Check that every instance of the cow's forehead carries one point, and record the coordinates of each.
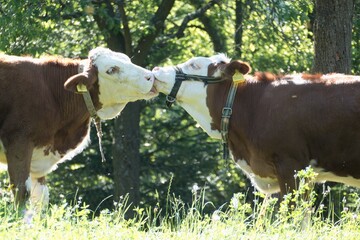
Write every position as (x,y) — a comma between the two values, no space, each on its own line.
(104,54)
(208,60)
(220,58)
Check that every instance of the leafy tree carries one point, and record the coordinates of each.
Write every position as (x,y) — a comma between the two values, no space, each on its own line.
(36,28)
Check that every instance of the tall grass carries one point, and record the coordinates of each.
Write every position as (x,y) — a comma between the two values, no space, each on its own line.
(294,218)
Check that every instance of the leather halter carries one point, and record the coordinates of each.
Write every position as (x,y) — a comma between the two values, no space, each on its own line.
(226,112)
(238,78)
(82,89)
(180,77)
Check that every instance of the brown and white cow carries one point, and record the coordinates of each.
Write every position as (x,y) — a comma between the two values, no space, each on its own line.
(44,122)
(277,126)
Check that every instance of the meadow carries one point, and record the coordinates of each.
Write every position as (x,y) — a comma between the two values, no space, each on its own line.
(237,220)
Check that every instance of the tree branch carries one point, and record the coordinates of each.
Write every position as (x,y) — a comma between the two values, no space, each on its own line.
(239,18)
(197,14)
(1,10)
(147,40)
(59,8)
(125,23)
(113,37)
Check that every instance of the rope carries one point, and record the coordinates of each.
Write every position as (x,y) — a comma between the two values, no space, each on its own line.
(91,108)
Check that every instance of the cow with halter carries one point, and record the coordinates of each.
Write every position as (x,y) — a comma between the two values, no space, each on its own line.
(273,126)
(46,105)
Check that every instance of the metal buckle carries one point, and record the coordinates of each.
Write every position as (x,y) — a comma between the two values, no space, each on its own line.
(225,109)
(170,99)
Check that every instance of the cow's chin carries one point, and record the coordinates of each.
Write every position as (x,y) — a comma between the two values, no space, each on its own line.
(110,112)
(152,93)
(162,86)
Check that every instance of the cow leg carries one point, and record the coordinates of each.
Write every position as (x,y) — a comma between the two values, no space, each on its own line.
(289,182)
(285,169)
(18,155)
(286,182)
(39,195)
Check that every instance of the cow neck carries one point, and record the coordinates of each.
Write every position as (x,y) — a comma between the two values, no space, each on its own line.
(224,112)
(82,89)
(91,108)
(70,107)
(238,78)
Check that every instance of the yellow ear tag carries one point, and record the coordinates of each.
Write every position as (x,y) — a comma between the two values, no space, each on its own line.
(238,77)
(81,88)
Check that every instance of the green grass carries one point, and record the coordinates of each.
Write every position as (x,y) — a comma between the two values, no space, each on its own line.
(238,220)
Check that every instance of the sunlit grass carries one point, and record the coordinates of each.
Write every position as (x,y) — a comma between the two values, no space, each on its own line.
(237,220)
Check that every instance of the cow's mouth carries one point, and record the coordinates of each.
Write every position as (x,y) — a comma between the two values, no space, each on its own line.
(153,89)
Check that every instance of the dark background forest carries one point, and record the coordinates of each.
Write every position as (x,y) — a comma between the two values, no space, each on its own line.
(153,152)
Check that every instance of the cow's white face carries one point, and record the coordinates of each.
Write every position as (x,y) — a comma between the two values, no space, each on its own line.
(120,81)
(192,94)
(165,76)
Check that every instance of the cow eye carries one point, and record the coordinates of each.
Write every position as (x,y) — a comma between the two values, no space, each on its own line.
(194,66)
(113,70)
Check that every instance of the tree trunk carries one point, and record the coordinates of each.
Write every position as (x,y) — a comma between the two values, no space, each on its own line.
(126,145)
(126,155)
(332,35)
(126,142)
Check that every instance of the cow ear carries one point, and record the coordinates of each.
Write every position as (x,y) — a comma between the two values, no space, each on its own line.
(242,67)
(77,82)
(73,82)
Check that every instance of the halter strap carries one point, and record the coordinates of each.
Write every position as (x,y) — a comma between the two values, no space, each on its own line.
(180,76)
(91,108)
(225,119)
(238,78)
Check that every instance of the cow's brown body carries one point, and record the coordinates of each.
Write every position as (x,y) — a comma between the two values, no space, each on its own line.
(35,106)
(281,127)
(37,113)
(278,125)
(42,120)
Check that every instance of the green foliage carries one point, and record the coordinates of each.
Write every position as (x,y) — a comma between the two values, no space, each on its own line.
(36,28)
(276,36)
(18,28)
(171,47)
